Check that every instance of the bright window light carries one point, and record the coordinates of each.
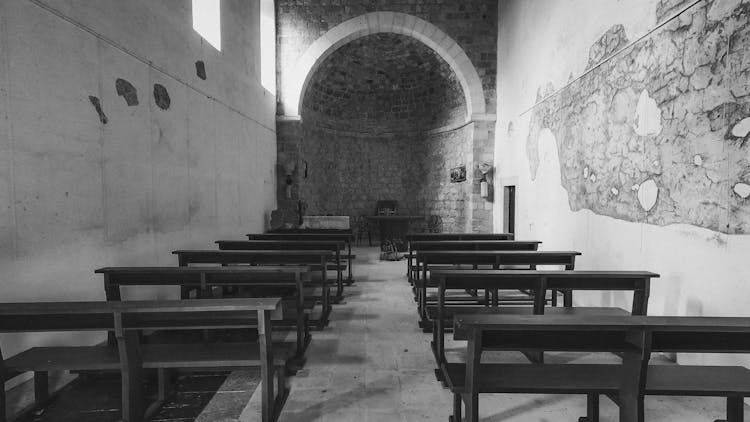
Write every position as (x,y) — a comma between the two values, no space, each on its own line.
(268,46)
(207,21)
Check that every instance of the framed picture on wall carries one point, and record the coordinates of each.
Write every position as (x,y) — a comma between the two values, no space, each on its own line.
(458,174)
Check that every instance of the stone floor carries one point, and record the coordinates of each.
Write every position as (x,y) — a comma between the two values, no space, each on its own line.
(374,364)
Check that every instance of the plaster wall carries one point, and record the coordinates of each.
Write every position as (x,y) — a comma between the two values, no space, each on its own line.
(78,193)
(688,231)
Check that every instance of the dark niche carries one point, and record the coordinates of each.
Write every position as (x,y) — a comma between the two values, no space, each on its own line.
(97,105)
(161,96)
(200,69)
(126,90)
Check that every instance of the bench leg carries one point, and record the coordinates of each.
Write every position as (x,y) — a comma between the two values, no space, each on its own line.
(3,406)
(164,381)
(41,386)
(133,408)
(592,409)
(472,407)
(735,409)
(456,409)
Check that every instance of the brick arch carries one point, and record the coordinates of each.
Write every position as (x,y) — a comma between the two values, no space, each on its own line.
(399,23)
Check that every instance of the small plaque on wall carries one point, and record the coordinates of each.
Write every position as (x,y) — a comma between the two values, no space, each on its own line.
(458,174)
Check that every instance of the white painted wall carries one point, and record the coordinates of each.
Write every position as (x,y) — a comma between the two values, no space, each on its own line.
(76,194)
(702,272)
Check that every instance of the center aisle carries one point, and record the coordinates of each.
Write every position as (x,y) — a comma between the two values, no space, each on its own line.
(372,363)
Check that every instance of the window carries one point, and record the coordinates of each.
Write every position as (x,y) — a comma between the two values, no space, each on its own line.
(268,46)
(207,21)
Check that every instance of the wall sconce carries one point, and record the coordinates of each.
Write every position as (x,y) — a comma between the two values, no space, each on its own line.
(484,184)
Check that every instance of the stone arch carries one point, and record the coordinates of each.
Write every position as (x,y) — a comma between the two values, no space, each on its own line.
(399,23)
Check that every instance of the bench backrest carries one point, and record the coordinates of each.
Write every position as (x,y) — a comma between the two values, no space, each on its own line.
(187,257)
(475,245)
(417,237)
(131,315)
(498,258)
(540,281)
(201,277)
(560,333)
(325,236)
(249,245)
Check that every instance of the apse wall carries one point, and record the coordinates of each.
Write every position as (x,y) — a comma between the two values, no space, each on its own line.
(384,115)
(114,151)
(641,161)
(366,119)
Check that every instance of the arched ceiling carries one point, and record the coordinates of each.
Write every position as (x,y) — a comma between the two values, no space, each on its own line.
(384,82)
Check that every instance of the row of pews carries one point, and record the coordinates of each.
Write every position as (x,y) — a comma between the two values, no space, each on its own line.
(486,290)
(265,284)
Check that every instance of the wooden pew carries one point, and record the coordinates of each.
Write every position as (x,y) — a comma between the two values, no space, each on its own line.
(272,257)
(203,279)
(437,237)
(495,259)
(639,282)
(634,337)
(463,245)
(314,235)
(303,245)
(131,357)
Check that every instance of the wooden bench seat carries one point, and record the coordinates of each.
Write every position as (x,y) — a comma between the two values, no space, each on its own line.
(276,257)
(537,282)
(130,356)
(336,246)
(537,379)
(207,355)
(626,383)
(81,358)
(528,259)
(289,282)
(346,236)
(414,265)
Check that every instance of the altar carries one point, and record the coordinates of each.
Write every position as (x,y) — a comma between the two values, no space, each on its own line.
(394,227)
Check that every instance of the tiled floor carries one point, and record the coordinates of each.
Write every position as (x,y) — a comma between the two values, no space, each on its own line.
(374,364)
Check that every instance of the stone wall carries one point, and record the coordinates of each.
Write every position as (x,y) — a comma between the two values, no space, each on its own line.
(97,170)
(392,96)
(439,196)
(384,83)
(471,23)
(347,175)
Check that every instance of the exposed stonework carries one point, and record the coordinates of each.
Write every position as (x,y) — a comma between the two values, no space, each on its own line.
(384,83)
(384,115)
(690,149)
(609,43)
(452,201)
(471,23)
(695,71)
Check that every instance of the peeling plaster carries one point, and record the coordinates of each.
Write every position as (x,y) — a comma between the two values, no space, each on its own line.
(648,192)
(648,116)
